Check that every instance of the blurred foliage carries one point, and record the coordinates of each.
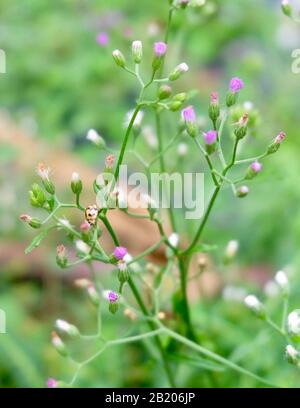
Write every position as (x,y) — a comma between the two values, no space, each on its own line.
(60,83)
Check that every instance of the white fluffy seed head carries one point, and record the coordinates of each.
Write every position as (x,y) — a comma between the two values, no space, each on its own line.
(174,239)
(75,177)
(231,249)
(293,322)
(81,246)
(282,280)
(253,303)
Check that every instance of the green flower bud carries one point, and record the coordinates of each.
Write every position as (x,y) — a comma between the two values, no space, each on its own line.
(76,183)
(137,51)
(286,8)
(119,58)
(181,97)
(123,274)
(61,258)
(113,307)
(67,328)
(178,71)
(58,344)
(37,196)
(164,92)
(231,98)
(175,106)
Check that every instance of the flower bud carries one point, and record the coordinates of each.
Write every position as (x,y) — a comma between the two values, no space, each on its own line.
(164,92)
(95,138)
(255,306)
(286,8)
(243,191)
(292,355)
(112,297)
(61,258)
(160,49)
(65,327)
(253,170)
(174,106)
(183,3)
(274,146)
(76,183)
(93,294)
(214,107)
(33,222)
(178,71)
(181,97)
(231,250)
(119,58)
(85,227)
(137,51)
(37,196)
(189,117)
(123,274)
(210,139)
(293,325)
(282,281)
(242,126)
(109,162)
(58,344)
(44,173)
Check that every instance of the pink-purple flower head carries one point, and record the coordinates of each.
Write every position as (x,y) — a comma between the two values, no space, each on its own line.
(236,84)
(189,114)
(102,39)
(52,383)
(210,137)
(280,137)
(160,49)
(120,252)
(256,167)
(112,296)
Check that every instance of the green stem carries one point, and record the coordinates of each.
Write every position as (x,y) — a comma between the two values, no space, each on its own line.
(153,327)
(163,167)
(214,356)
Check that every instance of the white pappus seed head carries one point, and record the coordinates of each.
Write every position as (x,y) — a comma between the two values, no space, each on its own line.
(252,302)
(282,280)
(174,239)
(293,322)
(231,249)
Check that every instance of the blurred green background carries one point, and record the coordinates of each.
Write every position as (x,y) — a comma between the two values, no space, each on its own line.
(59,83)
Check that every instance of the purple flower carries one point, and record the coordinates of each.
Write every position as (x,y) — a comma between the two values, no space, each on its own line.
(189,115)
(210,137)
(256,167)
(236,84)
(120,252)
(51,383)
(160,48)
(112,296)
(280,137)
(102,39)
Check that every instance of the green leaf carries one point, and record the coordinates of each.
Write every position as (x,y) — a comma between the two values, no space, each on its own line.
(37,240)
